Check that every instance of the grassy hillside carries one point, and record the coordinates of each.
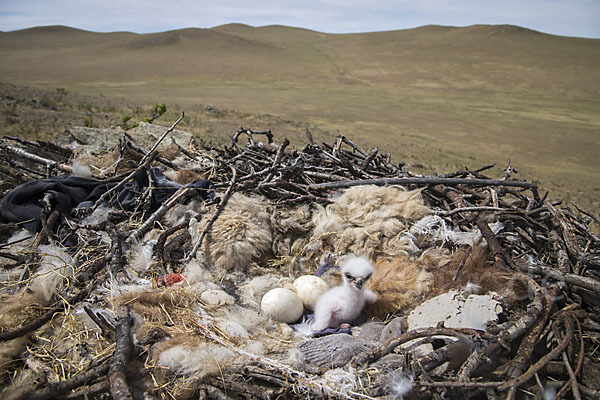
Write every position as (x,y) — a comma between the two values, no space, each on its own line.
(440,96)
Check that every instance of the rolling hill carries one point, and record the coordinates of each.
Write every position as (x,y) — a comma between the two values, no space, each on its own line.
(447,97)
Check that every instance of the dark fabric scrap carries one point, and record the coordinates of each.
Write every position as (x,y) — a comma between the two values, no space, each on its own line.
(326,266)
(310,317)
(69,192)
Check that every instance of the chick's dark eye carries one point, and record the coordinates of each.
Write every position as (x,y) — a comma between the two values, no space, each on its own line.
(367,277)
(348,276)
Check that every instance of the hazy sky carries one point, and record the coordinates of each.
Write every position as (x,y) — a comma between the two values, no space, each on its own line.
(561,17)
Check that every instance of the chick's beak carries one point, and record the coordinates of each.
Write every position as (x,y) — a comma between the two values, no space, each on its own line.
(358,283)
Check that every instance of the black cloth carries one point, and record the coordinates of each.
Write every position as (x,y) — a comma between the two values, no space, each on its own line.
(69,192)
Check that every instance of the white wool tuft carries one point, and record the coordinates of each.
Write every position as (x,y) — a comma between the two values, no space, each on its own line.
(196,272)
(140,255)
(471,287)
(304,327)
(255,347)
(399,385)
(253,291)
(21,237)
(434,228)
(99,215)
(216,297)
(233,329)
(200,360)
(549,393)
(81,170)
(343,381)
(55,266)
(17,243)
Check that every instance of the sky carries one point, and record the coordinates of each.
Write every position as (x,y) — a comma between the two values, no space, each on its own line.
(579,18)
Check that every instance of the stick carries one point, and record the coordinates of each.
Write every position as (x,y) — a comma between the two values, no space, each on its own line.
(40,160)
(572,279)
(157,215)
(159,159)
(493,243)
(133,173)
(387,348)
(53,390)
(161,138)
(572,377)
(123,351)
(468,209)
(421,181)
(542,361)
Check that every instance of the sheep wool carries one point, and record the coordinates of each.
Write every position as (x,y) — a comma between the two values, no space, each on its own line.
(367,221)
(240,235)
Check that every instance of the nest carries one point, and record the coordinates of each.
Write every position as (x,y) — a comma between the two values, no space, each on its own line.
(159,297)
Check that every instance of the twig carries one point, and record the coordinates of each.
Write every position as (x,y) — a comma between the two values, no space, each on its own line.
(157,215)
(54,390)
(123,351)
(107,330)
(492,242)
(572,377)
(464,385)
(420,181)
(544,360)
(130,176)
(387,348)
(571,279)
(49,164)
(159,248)
(161,138)
(161,160)
(579,363)
(467,209)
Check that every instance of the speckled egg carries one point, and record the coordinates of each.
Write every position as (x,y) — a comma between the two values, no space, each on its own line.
(282,305)
(309,288)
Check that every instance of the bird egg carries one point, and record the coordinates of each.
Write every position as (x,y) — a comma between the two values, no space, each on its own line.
(282,305)
(309,288)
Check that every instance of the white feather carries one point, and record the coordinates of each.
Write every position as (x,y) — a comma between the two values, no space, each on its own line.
(399,385)
(201,359)
(55,266)
(81,170)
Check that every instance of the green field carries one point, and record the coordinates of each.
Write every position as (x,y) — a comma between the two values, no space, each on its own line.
(442,97)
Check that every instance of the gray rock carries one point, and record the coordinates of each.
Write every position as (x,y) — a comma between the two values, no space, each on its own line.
(371,331)
(333,351)
(392,329)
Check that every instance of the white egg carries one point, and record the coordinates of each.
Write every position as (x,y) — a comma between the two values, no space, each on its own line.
(309,288)
(282,305)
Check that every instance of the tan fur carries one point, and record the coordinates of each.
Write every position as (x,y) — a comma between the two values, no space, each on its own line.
(367,221)
(403,282)
(240,235)
(399,284)
(476,269)
(291,226)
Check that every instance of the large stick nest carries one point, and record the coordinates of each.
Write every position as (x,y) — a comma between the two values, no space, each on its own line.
(137,301)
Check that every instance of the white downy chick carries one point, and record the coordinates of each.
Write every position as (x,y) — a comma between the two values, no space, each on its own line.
(343,303)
